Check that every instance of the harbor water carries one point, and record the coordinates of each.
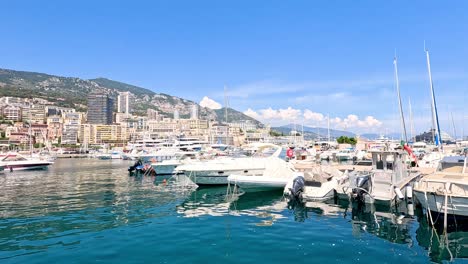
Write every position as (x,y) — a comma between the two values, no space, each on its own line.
(91,211)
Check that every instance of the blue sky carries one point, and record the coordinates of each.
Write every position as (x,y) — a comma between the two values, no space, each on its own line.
(280,60)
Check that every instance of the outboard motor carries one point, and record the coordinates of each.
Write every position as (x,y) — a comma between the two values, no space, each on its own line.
(297,187)
(363,186)
(138,163)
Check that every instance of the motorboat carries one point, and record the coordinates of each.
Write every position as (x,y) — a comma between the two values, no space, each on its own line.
(430,160)
(317,184)
(386,182)
(445,192)
(168,167)
(276,175)
(216,171)
(15,161)
(345,154)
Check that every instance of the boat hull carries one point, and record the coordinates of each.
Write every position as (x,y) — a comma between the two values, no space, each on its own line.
(16,167)
(165,169)
(217,177)
(456,205)
(257,183)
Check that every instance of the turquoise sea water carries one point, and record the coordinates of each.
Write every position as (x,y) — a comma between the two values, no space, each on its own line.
(91,211)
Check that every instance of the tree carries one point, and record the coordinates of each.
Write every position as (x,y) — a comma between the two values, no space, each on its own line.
(346,140)
(274,133)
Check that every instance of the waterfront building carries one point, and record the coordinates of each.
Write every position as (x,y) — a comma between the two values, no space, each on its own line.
(8,100)
(244,125)
(165,128)
(56,110)
(170,127)
(34,113)
(100,134)
(70,134)
(124,102)
(54,128)
(19,138)
(11,129)
(100,108)
(39,133)
(12,113)
(122,118)
(153,114)
(219,133)
(194,112)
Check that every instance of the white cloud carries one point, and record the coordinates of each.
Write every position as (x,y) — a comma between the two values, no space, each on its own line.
(309,115)
(289,113)
(353,121)
(210,103)
(284,116)
(252,114)
(269,114)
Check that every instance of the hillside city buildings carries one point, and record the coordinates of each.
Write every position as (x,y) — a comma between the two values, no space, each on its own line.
(40,121)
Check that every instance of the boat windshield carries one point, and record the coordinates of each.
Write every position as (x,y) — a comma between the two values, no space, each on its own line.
(13,158)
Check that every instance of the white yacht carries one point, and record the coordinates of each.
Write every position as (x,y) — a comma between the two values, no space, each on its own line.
(276,175)
(15,161)
(446,190)
(168,167)
(216,171)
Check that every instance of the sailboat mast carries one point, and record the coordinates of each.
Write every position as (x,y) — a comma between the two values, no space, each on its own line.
(435,118)
(30,130)
(411,122)
(225,104)
(402,117)
(453,127)
(328,127)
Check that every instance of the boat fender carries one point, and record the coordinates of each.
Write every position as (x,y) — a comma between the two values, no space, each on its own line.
(410,208)
(399,193)
(409,194)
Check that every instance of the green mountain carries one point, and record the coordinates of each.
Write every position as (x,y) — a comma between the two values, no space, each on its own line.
(73,92)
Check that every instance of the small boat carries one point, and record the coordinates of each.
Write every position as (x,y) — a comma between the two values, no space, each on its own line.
(385,183)
(345,154)
(15,161)
(318,184)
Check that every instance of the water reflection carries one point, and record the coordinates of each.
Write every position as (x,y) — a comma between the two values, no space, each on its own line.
(443,246)
(45,208)
(389,223)
(214,201)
